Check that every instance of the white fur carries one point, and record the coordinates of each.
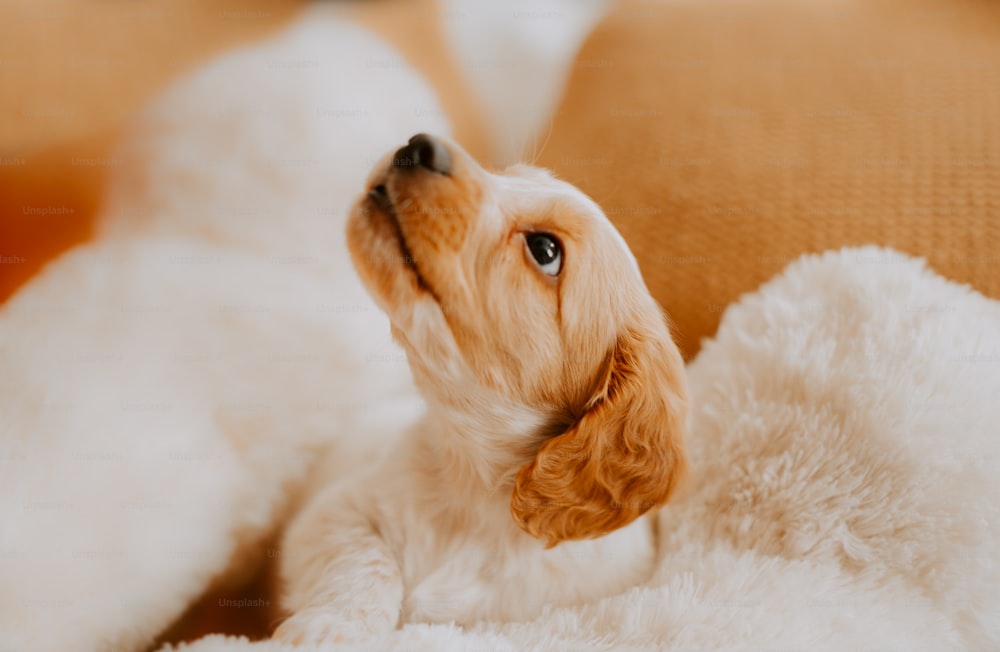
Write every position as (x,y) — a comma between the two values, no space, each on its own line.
(414,539)
(168,387)
(844,490)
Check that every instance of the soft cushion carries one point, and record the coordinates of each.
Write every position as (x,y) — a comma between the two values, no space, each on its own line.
(727,137)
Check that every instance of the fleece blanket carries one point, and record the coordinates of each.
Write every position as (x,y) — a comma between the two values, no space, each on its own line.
(167,390)
(845,491)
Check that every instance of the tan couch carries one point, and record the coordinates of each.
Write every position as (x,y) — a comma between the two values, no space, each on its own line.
(728,137)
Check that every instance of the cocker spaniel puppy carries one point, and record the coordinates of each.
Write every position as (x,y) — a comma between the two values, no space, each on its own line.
(556,402)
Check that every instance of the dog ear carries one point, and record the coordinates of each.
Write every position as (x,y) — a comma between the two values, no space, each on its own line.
(622,458)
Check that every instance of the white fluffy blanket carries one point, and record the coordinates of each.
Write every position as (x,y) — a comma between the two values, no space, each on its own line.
(844,445)
(845,492)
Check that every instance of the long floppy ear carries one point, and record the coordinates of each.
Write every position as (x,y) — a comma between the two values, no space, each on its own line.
(622,458)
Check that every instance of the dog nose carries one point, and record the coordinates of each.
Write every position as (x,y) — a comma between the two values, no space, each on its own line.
(424,151)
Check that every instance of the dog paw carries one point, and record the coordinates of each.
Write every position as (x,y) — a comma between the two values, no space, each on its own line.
(318,627)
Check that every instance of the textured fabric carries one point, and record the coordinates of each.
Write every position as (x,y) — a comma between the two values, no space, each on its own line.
(725,138)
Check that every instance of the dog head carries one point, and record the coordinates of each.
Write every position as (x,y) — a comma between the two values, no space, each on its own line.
(514,289)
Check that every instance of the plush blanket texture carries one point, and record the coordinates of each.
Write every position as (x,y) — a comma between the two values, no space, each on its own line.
(844,492)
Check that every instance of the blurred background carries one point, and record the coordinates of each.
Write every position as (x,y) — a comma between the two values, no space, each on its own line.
(724,137)
(73,73)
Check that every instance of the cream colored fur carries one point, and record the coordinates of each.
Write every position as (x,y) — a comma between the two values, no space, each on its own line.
(844,481)
(430,532)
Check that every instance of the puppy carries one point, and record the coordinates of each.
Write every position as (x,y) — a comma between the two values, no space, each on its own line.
(556,402)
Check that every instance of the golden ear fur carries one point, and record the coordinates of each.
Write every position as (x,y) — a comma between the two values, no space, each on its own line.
(622,458)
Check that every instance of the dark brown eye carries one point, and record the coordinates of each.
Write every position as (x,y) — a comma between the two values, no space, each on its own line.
(546,251)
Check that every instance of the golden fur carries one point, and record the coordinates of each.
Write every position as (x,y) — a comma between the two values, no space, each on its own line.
(589,348)
(556,406)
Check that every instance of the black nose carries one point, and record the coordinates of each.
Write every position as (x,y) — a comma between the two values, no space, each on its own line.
(424,151)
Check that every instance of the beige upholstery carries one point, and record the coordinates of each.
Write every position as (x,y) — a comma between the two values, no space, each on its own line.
(727,137)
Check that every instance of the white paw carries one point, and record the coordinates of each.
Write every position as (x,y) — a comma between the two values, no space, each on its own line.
(320,627)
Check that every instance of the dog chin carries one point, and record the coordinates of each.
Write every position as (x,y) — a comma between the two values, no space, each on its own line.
(380,256)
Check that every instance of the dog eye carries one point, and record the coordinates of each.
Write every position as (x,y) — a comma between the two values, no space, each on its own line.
(546,252)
